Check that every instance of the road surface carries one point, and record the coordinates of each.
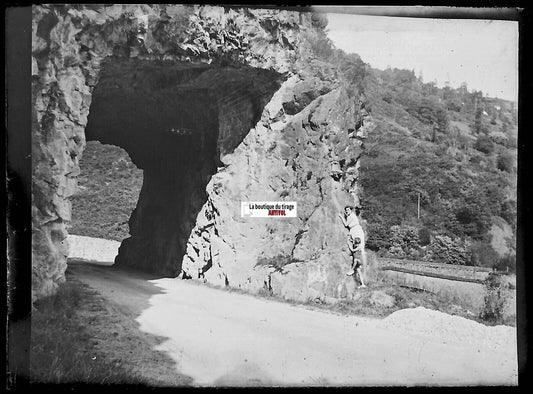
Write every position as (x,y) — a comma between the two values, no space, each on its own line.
(222,338)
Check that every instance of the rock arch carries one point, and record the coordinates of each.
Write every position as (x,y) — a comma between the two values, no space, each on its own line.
(175,120)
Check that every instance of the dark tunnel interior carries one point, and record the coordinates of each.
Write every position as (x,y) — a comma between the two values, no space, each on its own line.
(175,120)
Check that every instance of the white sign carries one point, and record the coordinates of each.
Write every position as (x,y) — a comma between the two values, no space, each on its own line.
(268,209)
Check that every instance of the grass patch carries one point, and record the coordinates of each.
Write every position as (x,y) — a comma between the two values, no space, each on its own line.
(62,350)
(404,297)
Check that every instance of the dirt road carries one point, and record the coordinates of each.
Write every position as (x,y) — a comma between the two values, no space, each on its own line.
(220,338)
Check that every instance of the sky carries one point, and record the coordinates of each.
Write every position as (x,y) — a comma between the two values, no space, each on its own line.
(482,53)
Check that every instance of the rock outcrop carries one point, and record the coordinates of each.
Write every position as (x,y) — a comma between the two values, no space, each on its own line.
(286,156)
(217,106)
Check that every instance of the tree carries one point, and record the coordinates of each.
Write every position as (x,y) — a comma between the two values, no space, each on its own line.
(463,89)
(454,104)
(478,120)
(430,89)
(404,78)
(447,92)
(505,162)
(505,127)
(431,113)
(508,211)
(471,221)
(320,45)
(352,68)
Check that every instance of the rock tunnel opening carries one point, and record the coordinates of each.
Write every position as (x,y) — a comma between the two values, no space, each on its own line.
(176,121)
(109,184)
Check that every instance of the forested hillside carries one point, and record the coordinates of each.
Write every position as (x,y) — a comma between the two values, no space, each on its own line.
(454,150)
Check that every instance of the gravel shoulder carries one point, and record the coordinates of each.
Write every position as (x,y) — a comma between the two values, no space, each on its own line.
(220,338)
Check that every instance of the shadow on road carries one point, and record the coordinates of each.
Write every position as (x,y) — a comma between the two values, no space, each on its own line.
(113,321)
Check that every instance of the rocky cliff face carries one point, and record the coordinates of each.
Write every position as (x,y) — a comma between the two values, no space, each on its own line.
(217,106)
(286,156)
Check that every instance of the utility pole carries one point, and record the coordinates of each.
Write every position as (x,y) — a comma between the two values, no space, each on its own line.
(418,216)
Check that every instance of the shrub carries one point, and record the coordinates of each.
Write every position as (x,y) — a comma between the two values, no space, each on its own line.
(378,237)
(484,144)
(499,138)
(450,251)
(278,261)
(512,142)
(483,255)
(319,20)
(464,215)
(396,251)
(506,263)
(387,97)
(424,236)
(321,45)
(494,300)
(404,240)
(477,159)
